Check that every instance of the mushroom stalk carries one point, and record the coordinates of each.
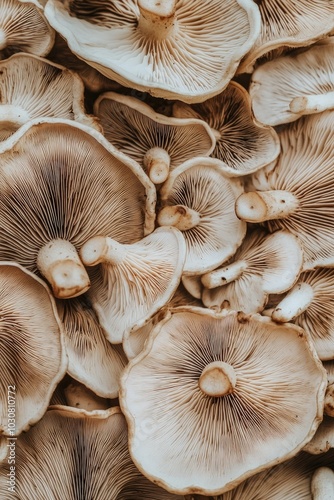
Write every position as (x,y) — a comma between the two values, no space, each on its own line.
(102,249)
(329,401)
(156,18)
(217,379)
(260,206)
(224,275)
(309,104)
(59,262)
(297,301)
(157,163)
(322,484)
(13,116)
(179,216)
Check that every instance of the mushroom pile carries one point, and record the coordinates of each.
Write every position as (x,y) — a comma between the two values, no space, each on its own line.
(167,249)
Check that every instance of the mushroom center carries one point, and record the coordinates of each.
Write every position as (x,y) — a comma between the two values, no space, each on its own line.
(179,216)
(217,379)
(157,17)
(157,161)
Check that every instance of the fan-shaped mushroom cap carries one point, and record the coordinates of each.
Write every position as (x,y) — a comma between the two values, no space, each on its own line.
(262,265)
(87,459)
(171,49)
(23,28)
(295,195)
(241,142)
(199,200)
(32,354)
(56,174)
(260,403)
(286,88)
(92,360)
(159,143)
(310,305)
(32,87)
(289,23)
(133,281)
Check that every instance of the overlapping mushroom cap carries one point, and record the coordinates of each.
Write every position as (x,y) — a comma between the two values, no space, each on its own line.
(173,49)
(72,454)
(296,195)
(226,396)
(54,178)
(23,28)
(157,142)
(32,354)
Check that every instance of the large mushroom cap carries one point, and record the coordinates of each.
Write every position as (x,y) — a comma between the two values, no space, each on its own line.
(54,177)
(32,354)
(173,49)
(227,396)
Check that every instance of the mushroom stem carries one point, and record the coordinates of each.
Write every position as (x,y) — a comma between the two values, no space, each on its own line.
(102,249)
(329,401)
(179,216)
(297,301)
(157,162)
(259,206)
(309,104)
(217,379)
(59,262)
(224,275)
(322,484)
(13,116)
(156,18)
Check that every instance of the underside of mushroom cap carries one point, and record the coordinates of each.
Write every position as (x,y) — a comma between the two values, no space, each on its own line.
(143,47)
(206,444)
(76,454)
(23,28)
(241,143)
(276,84)
(32,353)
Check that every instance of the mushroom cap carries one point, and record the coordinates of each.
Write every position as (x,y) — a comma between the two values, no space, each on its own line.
(276,83)
(56,174)
(23,28)
(92,360)
(75,454)
(290,24)
(115,39)
(270,264)
(33,358)
(203,444)
(201,185)
(33,87)
(134,128)
(242,143)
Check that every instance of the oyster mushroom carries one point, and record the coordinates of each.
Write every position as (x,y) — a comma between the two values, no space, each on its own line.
(32,353)
(55,175)
(199,199)
(170,49)
(227,395)
(241,142)
(159,143)
(296,194)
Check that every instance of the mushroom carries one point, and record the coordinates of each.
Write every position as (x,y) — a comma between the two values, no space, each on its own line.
(133,281)
(199,199)
(262,265)
(92,360)
(287,23)
(32,353)
(74,454)
(322,484)
(323,439)
(23,28)
(241,142)
(32,87)
(295,195)
(286,88)
(159,143)
(310,305)
(170,49)
(53,177)
(228,396)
